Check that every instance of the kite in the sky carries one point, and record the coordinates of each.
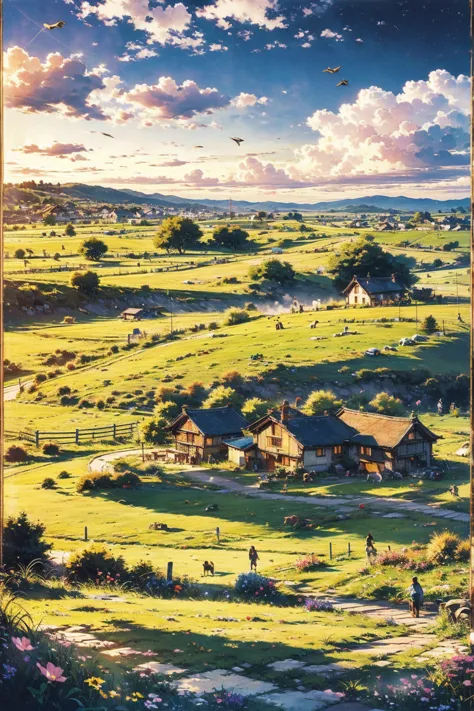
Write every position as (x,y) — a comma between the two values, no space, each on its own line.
(57,25)
(237,140)
(344,82)
(103,134)
(331,70)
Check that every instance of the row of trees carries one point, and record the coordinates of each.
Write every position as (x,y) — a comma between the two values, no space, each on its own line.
(181,233)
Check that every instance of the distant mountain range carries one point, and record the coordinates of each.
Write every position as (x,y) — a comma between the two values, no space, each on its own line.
(368,203)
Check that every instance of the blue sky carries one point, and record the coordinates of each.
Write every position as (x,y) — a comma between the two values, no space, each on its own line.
(166,77)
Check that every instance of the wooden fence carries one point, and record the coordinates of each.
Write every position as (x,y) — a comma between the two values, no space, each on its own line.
(77,436)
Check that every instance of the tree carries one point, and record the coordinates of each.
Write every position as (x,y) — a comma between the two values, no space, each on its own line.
(321,401)
(70,231)
(230,237)
(177,233)
(364,257)
(236,316)
(50,220)
(93,249)
(153,430)
(387,404)
(23,541)
(222,396)
(254,409)
(449,246)
(273,270)
(421,216)
(261,215)
(430,324)
(87,282)
(20,254)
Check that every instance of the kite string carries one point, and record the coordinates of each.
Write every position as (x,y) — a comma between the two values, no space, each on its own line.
(32,40)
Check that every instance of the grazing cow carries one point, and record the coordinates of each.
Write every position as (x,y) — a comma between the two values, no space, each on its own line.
(208,567)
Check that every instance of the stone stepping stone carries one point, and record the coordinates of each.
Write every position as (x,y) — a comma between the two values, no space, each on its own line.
(386,647)
(158,668)
(332,670)
(123,652)
(221,678)
(286,665)
(302,701)
(394,515)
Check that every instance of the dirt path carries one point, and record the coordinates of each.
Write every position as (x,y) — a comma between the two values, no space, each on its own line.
(342,503)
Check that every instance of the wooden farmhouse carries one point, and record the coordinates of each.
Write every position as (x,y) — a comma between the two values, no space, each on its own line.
(201,434)
(374,443)
(374,291)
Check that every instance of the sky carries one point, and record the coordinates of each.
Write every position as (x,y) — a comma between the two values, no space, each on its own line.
(173,82)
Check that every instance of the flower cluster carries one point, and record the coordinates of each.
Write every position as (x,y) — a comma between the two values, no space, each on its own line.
(403,560)
(415,693)
(313,605)
(309,562)
(253,586)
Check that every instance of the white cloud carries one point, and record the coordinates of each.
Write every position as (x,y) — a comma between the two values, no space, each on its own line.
(256,12)
(329,34)
(218,47)
(244,100)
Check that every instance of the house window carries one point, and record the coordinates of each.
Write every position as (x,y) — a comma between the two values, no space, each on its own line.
(320,452)
(356,299)
(275,441)
(366,450)
(337,449)
(189,438)
(412,435)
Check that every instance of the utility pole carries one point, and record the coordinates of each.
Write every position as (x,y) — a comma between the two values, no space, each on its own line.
(471,507)
(171,313)
(457,291)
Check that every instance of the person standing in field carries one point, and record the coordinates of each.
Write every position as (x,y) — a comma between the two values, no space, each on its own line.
(369,547)
(253,557)
(416,594)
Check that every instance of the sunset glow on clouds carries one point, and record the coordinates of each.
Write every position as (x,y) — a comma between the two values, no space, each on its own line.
(177,76)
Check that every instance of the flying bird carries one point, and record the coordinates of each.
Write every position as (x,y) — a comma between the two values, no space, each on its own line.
(198,146)
(331,70)
(103,134)
(237,140)
(344,82)
(57,25)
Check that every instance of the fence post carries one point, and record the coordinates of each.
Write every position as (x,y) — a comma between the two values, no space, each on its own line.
(115,431)
(349,549)
(85,533)
(330,551)
(37,438)
(169,573)
(77,436)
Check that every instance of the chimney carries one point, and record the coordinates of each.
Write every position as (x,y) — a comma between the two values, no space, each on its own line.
(285,411)
(184,409)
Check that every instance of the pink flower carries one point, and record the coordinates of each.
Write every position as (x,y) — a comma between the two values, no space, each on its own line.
(467,683)
(51,672)
(23,644)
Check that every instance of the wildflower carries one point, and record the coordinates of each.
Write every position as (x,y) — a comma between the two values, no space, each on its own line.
(467,683)
(51,672)
(113,694)
(94,682)
(23,644)
(8,671)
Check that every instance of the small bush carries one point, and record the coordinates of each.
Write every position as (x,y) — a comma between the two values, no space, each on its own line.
(95,564)
(64,475)
(51,449)
(100,404)
(255,587)
(387,404)
(64,390)
(313,605)
(236,316)
(23,541)
(85,403)
(442,547)
(69,319)
(114,349)
(16,454)
(309,562)
(463,551)
(321,401)
(99,481)
(71,366)
(48,483)
(40,378)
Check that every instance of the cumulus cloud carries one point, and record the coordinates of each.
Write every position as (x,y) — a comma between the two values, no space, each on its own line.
(57,149)
(244,100)
(216,47)
(196,178)
(330,34)
(163,25)
(58,85)
(257,12)
(425,126)
(166,100)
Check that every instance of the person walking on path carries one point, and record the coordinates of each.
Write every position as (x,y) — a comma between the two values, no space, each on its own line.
(253,557)
(416,597)
(369,547)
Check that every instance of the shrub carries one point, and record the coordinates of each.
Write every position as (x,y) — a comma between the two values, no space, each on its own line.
(195,393)
(40,378)
(16,454)
(69,319)
(222,396)
(233,379)
(100,404)
(85,403)
(213,326)
(167,411)
(140,574)
(309,562)
(159,586)
(71,366)
(48,483)
(114,349)
(236,316)
(93,249)
(64,390)
(98,481)
(254,409)
(321,401)
(23,541)
(86,282)
(430,324)
(51,449)
(442,547)
(313,605)
(463,551)
(255,587)
(153,430)
(273,270)
(387,404)
(64,475)
(95,563)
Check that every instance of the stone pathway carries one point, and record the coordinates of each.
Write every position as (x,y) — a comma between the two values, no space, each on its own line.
(344,504)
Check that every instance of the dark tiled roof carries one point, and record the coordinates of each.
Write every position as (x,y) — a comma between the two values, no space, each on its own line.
(380,430)
(377,285)
(313,431)
(214,421)
(242,443)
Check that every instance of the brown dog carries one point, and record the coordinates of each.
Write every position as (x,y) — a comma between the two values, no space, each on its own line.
(208,567)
